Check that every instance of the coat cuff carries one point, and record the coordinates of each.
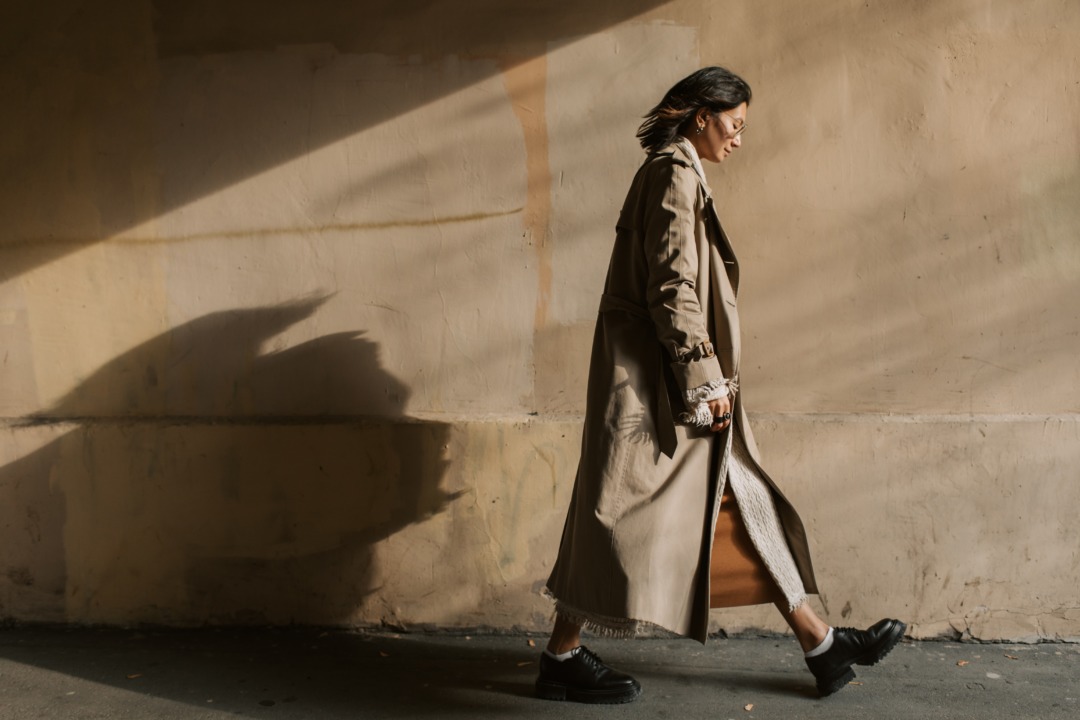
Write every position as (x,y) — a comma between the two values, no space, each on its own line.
(690,374)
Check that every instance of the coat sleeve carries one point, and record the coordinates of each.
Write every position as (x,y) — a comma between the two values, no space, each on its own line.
(669,222)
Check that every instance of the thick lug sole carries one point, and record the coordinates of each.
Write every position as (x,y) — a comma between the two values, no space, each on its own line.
(558,691)
(828,687)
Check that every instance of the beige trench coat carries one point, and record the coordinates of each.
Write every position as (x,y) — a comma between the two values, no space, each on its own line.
(637,542)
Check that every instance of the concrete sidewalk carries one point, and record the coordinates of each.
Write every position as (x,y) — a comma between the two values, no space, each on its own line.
(80,673)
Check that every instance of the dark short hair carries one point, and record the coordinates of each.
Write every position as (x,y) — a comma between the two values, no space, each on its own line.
(715,88)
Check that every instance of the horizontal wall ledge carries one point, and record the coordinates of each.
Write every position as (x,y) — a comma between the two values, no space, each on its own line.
(964,526)
(822,417)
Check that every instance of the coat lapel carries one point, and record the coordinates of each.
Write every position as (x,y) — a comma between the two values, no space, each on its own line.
(712,218)
(731,264)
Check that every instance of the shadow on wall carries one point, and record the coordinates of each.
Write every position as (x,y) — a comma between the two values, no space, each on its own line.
(245,501)
(99,91)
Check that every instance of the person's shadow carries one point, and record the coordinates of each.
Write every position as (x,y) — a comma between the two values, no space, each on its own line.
(199,478)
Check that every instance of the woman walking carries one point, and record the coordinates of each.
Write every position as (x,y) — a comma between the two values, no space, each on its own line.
(671,512)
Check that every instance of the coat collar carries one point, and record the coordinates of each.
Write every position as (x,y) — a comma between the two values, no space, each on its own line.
(681,151)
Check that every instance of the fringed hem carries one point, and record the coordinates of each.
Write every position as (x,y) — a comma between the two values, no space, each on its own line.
(599,625)
(697,400)
(798,603)
(595,623)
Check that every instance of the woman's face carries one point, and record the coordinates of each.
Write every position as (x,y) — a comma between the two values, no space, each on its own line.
(722,132)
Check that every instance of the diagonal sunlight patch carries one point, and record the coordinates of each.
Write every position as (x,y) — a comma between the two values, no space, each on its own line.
(437,195)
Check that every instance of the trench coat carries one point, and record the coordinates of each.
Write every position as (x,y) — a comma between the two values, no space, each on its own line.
(637,542)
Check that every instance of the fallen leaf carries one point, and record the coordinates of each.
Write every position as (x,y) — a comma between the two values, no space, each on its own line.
(748,707)
(524,663)
(132,676)
(383,654)
(1012,657)
(961,663)
(532,643)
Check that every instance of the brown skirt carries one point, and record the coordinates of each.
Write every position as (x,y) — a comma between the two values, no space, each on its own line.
(737,573)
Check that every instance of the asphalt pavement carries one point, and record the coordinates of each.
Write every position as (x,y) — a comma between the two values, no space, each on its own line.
(69,673)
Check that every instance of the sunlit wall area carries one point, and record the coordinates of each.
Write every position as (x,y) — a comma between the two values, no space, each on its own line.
(296,303)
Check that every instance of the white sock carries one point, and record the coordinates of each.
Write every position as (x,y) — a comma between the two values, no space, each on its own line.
(823,647)
(562,656)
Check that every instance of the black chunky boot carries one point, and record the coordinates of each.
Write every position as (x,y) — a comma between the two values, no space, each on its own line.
(584,678)
(853,647)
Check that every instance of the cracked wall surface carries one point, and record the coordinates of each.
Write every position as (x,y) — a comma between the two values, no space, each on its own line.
(296,305)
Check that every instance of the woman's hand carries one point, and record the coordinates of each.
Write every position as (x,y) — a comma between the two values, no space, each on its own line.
(721,412)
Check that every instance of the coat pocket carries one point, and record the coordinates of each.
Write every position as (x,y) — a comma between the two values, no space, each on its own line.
(622,442)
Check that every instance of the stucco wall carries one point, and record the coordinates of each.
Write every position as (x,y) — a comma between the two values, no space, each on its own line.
(295,303)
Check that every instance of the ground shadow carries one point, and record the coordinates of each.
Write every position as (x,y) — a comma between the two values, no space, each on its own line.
(331,674)
(298,672)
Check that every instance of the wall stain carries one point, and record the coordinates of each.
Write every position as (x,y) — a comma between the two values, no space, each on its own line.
(526,83)
(264,232)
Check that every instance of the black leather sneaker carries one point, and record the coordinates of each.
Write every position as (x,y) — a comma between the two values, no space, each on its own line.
(853,647)
(584,678)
